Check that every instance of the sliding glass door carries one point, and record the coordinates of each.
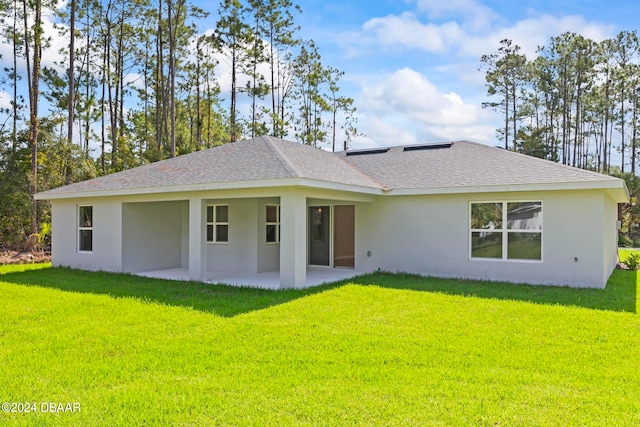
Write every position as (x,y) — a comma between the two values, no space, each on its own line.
(319,236)
(332,237)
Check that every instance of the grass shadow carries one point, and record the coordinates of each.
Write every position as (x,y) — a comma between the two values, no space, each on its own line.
(228,301)
(620,294)
(223,300)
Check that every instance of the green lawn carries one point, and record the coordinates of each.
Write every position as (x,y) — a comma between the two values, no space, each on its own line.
(624,253)
(382,349)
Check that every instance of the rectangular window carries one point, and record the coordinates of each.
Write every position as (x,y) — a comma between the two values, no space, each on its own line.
(506,230)
(273,224)
(217,224)
(85,228)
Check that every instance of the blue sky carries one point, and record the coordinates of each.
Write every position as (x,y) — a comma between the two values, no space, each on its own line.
(412,66)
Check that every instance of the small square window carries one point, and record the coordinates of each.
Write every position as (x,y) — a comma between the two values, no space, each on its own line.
(222,233)
(222,213)
(217,224)
(272,235)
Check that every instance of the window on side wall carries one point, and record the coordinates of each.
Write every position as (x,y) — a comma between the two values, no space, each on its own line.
(217,224)
(85,228)
(506,230)
(273,224)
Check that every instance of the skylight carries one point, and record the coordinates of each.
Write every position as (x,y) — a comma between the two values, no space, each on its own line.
(367,151)
(428,147)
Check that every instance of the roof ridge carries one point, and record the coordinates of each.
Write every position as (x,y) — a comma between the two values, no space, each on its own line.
(289,167)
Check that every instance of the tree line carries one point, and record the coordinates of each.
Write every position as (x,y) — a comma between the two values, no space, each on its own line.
(577,102)
(140,80)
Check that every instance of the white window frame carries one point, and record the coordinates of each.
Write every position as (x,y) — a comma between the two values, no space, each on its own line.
(276,224)
(82,228)
(214,223)
(504,230)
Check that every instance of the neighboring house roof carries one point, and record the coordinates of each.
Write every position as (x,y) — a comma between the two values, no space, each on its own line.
(419,169)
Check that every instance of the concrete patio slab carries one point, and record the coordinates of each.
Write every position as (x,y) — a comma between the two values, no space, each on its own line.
(270,280)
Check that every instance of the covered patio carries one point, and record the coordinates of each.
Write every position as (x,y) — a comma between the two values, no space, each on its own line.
(268,280)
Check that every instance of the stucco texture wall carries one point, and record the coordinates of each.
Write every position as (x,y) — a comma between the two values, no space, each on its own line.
(240,253)
(107,234)
(152,235)
(430,235)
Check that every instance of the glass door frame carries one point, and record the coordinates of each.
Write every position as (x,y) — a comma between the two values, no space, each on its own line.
(326,231)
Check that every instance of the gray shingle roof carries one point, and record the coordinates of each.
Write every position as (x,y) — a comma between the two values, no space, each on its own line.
(463,164)
(261,158)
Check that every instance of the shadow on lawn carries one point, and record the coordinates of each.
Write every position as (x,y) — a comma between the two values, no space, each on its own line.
(619,295)
(227,301)
(223,300)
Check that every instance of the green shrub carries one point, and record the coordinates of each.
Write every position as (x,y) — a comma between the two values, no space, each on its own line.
(624,241)
(633,261)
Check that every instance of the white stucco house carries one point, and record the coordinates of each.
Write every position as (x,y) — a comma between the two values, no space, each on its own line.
(269,212)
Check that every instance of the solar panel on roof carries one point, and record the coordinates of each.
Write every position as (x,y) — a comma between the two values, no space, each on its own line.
(428,147)
(367,151)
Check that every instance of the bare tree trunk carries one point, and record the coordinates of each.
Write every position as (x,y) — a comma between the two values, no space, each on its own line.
(87,61)
(506,119)
(172,78)
(105,55)
(622,120)
(633,135)
(576,137)
(272,64)
(33,74)
(198,112)
(15,40)
(333,138)
(71,101)
(209,102)
(159,84)
(113,113)
(514,118)
(232,133)
(146,96)
(605,165)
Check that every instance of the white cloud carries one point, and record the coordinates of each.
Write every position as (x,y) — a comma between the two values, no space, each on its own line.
(5,100)
(382,133)
(405,107)
(50,54)
(411,94)
(464,39)
(533,32)
(484,133)
(474,15)
(466,71)
(407,31)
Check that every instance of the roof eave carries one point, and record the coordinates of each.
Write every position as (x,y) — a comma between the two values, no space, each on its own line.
(232,185)
(617,189)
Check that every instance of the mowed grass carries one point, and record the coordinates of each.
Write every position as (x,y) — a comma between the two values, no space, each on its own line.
(624,253)
(381,349)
